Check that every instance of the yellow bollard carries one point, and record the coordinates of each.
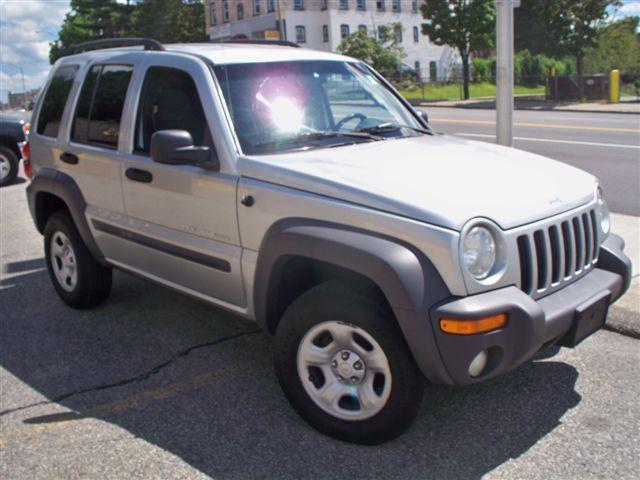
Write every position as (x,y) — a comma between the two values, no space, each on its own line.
(614,87)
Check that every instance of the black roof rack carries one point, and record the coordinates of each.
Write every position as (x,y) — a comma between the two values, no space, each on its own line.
(147,43)
(282,43)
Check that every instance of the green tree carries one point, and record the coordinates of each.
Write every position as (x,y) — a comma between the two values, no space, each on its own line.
(93,20)
(467,25)
(383,54)
(164,20)
(617,46)
(171,21)
(561,27)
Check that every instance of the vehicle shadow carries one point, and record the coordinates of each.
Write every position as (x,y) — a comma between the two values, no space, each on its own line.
(17,181)
(198,383)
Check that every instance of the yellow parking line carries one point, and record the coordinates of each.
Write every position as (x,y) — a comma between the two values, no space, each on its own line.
(537,125)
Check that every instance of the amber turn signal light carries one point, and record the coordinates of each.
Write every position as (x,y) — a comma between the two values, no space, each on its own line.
(473,327)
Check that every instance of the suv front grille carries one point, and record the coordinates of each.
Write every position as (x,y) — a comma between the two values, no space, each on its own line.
(558,253)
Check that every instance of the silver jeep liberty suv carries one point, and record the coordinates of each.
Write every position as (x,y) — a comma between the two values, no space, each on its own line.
(298,189)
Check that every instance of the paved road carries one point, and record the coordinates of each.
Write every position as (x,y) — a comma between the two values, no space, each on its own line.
(156,385)
(606,145)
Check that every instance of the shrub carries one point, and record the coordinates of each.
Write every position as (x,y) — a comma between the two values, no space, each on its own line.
(481,70)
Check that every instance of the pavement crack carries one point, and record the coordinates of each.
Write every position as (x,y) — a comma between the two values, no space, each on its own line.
(137,378)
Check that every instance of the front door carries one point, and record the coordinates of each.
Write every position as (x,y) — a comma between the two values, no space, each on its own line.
(181,220)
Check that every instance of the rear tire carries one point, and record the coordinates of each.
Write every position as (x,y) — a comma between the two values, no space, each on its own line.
(8,166)
(330,326)
(79,280)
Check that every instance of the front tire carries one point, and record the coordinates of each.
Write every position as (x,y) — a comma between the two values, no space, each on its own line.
(8,166)
(343,364)
(79,280)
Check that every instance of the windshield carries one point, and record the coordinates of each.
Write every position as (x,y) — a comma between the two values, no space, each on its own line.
(282,106)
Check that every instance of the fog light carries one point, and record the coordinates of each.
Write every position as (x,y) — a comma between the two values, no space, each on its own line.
(479,363)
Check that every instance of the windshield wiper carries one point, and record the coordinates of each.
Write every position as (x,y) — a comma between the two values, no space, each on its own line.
(392,127)
(318,135)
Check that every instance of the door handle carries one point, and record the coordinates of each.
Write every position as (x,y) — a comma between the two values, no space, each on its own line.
(69,158)
(138,175)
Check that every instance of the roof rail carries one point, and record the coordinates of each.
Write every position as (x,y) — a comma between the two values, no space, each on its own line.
(147,43)
(282,43)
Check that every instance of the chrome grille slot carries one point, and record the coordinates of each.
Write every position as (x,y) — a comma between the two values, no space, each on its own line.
(579,242)
(594,229)
(556,254)
(567,238)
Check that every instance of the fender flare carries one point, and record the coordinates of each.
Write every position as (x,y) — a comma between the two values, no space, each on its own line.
(409,281)
(61,185)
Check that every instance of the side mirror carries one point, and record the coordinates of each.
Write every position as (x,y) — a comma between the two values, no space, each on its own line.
(423,116)
(175,147)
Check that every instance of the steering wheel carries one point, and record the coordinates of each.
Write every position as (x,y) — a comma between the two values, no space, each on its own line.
(338,126)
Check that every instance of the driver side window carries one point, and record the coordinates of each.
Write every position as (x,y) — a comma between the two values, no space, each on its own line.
(170,101)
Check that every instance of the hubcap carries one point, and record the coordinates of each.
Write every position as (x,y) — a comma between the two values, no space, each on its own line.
(344,370)
(5,167)
(63,261)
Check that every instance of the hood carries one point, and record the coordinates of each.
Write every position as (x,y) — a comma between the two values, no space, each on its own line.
(438,179)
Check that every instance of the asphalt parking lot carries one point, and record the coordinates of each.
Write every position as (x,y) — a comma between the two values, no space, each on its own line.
(156,385)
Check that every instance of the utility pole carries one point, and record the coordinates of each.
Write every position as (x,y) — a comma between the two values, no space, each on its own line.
(505,76)
(281,27)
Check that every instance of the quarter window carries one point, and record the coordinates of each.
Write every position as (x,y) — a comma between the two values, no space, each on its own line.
(170,101)
(54,101)
(99,111)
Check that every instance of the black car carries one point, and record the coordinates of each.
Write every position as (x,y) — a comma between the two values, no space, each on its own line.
(11,134)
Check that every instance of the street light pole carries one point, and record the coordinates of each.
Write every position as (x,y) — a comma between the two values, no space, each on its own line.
(505,76)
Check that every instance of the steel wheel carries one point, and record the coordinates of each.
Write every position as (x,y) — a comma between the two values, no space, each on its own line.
(63,261)
(344,370)
(5,167)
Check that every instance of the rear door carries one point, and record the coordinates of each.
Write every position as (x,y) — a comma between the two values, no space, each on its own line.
(90,153)
(181,220)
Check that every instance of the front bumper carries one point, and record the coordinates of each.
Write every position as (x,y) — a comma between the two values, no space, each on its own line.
(532,324)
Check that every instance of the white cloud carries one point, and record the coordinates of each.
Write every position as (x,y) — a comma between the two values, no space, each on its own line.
(26,28)
(630,9)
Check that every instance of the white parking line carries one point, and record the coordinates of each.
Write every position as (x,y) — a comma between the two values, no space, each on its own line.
(548,140)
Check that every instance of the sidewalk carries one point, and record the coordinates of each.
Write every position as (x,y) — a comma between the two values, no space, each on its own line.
(527,103)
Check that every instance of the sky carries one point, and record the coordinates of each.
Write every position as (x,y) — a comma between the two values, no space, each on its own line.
(27,27)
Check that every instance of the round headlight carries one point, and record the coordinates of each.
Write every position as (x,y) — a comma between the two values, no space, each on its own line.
(479,252)
(603,212)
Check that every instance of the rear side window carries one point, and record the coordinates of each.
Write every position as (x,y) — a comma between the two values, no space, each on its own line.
(55,100)
(170,101)
(99,111)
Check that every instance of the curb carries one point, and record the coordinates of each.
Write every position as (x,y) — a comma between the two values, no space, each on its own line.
(517,107)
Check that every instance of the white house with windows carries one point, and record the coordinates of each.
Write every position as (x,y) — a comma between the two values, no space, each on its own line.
(322,24)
